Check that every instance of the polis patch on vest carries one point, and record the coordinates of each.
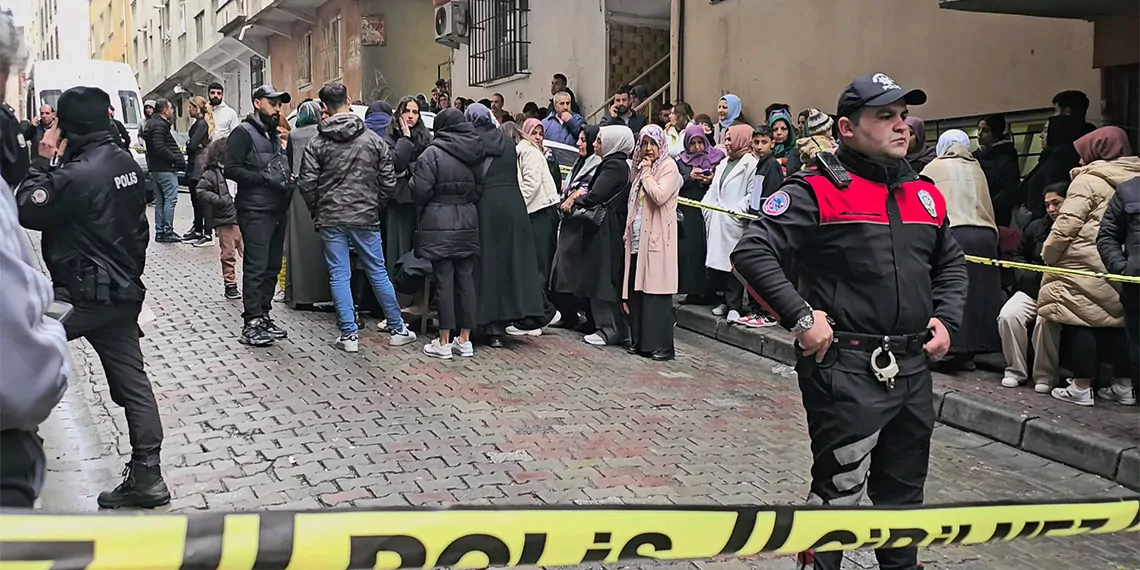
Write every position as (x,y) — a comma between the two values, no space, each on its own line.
(928,203)
(777,203)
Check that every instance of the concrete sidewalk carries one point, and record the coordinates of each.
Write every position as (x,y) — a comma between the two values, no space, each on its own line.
(1104,439)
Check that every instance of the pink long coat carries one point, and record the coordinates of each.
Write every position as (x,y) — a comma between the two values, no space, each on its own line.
(657,251)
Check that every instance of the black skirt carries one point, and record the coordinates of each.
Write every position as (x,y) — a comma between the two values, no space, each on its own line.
(984,298)
(398,232)
(650,317)
(692,276)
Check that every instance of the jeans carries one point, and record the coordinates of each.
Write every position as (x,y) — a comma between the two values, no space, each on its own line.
(370,249)
(164,201)
(263,235)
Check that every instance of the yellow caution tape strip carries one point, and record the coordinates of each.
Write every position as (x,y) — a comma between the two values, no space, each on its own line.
(509,536)
(970,258)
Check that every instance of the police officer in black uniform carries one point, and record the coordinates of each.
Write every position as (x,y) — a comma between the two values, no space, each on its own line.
(86,194)
(883,286)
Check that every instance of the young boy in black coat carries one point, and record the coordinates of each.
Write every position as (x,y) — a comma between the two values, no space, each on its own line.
(769,177)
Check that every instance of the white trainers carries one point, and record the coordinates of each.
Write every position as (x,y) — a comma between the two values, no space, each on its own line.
(732,317)
(436,350)
(350,343)
(720,310)
(382,326)
(595,339)
(1008,382)
(515,331)
(1073,394)
(401,338)
(465,349)
(1122,395)
(1042,388)
(556,320)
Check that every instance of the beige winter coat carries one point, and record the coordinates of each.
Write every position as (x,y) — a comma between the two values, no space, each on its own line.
(1083,301)
(959,177)
(535,181)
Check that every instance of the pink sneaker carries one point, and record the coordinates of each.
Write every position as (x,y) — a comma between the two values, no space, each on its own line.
(751,321)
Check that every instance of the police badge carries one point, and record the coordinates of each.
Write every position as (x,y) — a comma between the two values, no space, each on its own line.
(928,203)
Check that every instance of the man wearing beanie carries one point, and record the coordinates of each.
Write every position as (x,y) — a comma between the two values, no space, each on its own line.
(86,194)
(817,137)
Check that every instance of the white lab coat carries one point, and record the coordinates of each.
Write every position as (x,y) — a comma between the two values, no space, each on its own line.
(729,190)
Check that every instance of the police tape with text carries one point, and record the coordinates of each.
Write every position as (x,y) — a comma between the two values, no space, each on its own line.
(970,258)
(515,536)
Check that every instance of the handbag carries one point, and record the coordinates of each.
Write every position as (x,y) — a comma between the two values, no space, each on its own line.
(595,215)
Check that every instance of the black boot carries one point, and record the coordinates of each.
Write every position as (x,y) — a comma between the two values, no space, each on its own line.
(142,487)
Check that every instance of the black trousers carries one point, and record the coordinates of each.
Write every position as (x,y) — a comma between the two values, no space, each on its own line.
(264,236)
(650,317)
(201,211)
(727,283)
(113,332)
(1132,332)
(22,466)
(1088,348)
(456,281)
(866,437)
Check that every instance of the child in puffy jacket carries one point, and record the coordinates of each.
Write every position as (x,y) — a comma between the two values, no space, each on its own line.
(217,194)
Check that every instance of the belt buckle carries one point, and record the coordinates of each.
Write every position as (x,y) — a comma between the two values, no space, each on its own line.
(885,374)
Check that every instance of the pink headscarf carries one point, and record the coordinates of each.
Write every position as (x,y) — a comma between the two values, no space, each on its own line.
(528,129)
(741,139)
(1105,143)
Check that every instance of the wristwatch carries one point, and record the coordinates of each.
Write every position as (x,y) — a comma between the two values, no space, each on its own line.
(805,323)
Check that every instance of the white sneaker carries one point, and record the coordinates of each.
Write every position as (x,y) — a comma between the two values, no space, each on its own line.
(556,321)
(1074,395)
(279,296)
(402,338)
(465,349)
(437,350)
(1009,382)
(720,310)
(382,326)
(1122,395)
(595,339)
(732,317)
(515,331)
(350,343)
(1042,388)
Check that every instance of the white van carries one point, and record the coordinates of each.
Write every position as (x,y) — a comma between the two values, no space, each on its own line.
(48,79)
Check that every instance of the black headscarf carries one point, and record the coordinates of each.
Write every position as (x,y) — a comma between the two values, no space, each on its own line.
(576,172)
(1057,159)
(447,118)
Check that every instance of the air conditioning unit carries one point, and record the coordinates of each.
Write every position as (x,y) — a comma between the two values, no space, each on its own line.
(450,22)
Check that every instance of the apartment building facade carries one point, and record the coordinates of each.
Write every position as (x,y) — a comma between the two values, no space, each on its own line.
(111,32)
(60,29)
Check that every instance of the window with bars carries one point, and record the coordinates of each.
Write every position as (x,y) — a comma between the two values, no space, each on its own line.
(499,40)
(330,52)
(305,60)
(256,72)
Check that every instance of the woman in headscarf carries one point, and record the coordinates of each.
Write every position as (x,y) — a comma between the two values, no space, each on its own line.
(306,273)
(535,132)
(600,210)
(729,189)
(507,283)
(378,117)
(784,135)
(918,153)
(696,166)
(728,113)
(959,176)
(568,257)
(651,247)
(1058,158)
(407,138)
(1091,307)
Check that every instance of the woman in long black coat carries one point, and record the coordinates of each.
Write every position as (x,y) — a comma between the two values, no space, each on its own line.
(507,282)
(407,137)
(603,246)
(568,253)
(1058,158)
(698,157)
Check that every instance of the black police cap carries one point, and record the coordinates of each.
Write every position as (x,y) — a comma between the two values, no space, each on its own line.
(269,92)
(83,110)
(875,90)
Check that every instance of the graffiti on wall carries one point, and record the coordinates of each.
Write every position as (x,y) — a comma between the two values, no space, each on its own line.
(354,52)
(372,31)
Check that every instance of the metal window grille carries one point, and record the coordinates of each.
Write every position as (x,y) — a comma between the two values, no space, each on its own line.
(330,54)
(256,72)
(499,40)
(305,60)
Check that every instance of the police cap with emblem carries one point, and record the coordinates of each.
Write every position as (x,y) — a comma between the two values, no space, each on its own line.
(83,110)
(875,90)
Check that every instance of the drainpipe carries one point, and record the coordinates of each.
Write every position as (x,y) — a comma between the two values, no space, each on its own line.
(676,48)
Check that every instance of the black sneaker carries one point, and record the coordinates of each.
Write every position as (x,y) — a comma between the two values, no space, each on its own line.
(192,236)
(142,488)
(232,292)
(273,330)
(166,238)
(254,334)
(177,238)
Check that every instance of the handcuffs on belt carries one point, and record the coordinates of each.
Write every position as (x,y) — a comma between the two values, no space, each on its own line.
(885,374)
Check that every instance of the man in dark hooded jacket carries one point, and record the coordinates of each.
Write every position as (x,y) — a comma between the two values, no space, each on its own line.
(346,177)
(446,185)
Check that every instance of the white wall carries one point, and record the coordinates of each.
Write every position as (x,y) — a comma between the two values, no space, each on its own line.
(73,19)
(566,37)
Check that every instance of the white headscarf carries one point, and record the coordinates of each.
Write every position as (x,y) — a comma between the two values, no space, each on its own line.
(949,139)
(616,138)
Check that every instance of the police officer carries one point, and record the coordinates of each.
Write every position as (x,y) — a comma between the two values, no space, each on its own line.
(883,286)
(86,195)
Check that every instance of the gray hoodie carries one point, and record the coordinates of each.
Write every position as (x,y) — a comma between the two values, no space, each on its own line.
(346,174)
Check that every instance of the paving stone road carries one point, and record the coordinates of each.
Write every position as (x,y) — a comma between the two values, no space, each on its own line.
(547,420)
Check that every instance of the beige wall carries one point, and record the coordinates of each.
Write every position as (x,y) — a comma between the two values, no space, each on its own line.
(566,37)
(969,64)
(409,61)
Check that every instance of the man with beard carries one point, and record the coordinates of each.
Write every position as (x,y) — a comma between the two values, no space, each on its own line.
(257,163)
(225,117)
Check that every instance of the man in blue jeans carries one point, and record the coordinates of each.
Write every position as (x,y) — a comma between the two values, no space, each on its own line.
(346,177)
(163,159)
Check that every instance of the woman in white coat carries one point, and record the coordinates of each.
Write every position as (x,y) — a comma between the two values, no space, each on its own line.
(730,189)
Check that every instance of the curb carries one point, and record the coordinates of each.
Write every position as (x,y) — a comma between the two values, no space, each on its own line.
(1052,439)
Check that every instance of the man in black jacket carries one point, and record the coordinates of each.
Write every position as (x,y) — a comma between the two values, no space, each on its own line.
(621,112)
(90,204)
(34,129)
(1119,245)
(877,261)
(118,131)
(164,159)
(256,161)
(346,178)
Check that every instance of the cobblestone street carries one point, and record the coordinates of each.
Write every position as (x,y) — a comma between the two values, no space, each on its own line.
(547,420)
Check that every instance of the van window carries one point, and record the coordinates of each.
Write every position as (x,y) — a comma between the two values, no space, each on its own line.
(50,97)
(129,105)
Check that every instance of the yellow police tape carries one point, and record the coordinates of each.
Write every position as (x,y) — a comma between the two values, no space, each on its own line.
(970,258)
(510,536)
